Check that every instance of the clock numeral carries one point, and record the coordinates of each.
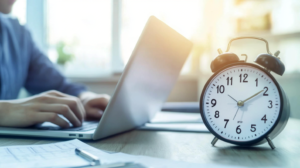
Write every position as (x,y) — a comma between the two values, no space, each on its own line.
(238,129)
(265,94)
(240,78)
(256,80)
(217,114)
(229,81)
(253,129)
(226,120)
(245,77)
(271,105)
(264,118)
(220,89)
(213,102)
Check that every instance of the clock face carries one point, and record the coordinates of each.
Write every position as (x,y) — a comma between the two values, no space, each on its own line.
(241,103)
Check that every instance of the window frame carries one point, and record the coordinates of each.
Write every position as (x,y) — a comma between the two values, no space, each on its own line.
(38,28)
(36,22)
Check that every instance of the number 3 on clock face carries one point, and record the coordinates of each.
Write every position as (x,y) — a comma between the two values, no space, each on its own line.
(241,103)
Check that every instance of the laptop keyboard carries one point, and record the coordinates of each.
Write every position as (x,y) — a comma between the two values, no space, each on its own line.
(86,126)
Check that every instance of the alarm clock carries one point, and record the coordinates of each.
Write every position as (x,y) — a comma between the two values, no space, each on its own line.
(242,103)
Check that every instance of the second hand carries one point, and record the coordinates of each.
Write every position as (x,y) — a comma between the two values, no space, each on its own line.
(236,113)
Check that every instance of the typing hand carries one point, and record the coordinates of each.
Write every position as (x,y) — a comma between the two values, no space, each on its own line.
(94,104)
(40,108)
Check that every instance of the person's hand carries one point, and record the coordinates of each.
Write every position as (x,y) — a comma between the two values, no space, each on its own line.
(94,104)
(40,108)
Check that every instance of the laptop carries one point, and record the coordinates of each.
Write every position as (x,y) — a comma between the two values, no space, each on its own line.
(145,84)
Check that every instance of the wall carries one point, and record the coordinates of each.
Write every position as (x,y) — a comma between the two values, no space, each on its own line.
(290,84)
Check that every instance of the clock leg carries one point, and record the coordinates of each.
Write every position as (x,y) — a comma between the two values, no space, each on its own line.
(270,143)
(214,141)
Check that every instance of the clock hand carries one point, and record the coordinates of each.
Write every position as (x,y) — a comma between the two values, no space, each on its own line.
(238,107)
(232,98)
(236,112)
(251,96)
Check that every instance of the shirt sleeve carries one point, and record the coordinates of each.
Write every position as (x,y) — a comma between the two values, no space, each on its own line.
(43,75)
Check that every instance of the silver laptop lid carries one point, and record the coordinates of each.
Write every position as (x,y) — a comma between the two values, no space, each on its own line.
(147,80)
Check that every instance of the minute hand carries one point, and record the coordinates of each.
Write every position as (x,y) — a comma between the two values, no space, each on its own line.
(252,96)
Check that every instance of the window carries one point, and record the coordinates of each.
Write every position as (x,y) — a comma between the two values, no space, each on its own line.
(19,11)
(184,16)
(94,38)
(84,32)
(79,36)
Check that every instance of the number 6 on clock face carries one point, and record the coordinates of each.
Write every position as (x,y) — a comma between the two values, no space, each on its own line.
(241,103)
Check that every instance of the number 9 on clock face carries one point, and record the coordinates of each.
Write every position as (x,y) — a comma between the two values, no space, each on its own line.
(240,103)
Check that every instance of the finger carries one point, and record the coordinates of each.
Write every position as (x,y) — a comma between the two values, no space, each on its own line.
(94,114)
(60,94)
(57,93)
(63,110)
(63,95)
(51,117)
(100,102)
(79,104)
(74,104)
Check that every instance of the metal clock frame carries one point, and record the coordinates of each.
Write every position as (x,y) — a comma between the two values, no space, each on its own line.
(277,127)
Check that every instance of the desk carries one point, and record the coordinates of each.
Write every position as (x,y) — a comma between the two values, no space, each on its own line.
(195,147)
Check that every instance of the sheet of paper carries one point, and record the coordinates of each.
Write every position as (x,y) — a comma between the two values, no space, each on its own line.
(176,117)
(182,127)
(62,154)
(49,155)
(176,121)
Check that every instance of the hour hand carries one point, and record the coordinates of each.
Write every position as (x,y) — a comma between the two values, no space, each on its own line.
(232,98)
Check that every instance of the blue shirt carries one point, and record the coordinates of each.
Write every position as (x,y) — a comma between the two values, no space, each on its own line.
(22,64)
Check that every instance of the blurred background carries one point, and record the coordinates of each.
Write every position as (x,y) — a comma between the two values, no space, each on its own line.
(91,41)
